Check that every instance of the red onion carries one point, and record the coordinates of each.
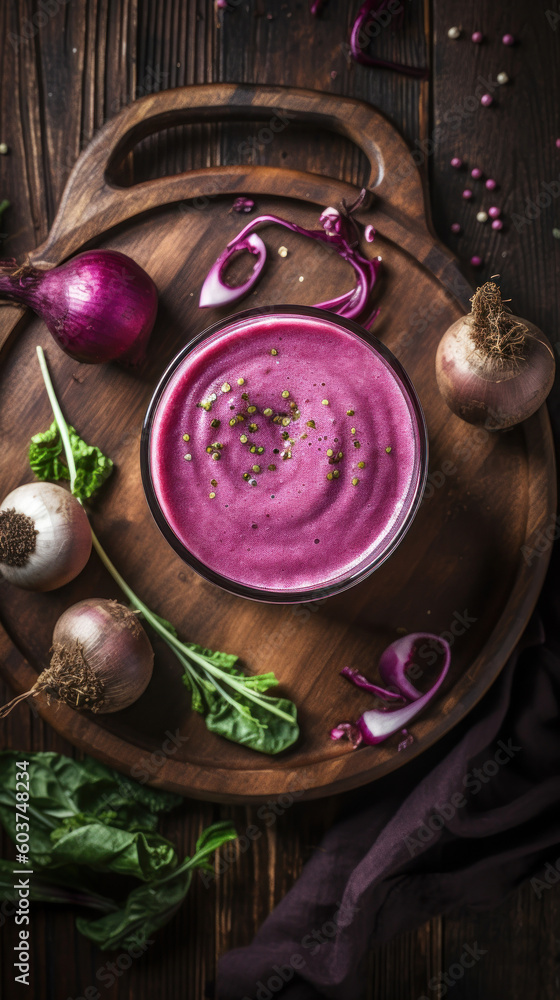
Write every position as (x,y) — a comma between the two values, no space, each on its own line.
(493,368)
(339,230)
(102,659)
(377,725)
(367,15)
(99,306)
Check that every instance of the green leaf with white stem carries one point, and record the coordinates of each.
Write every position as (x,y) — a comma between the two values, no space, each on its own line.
(233,704)
(226,661)
(46,458)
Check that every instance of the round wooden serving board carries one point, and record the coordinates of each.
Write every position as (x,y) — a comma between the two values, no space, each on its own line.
(463,568)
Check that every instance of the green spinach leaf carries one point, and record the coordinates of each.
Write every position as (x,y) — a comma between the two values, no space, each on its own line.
(150,906)
(84,819)
(105,848)
(83,812)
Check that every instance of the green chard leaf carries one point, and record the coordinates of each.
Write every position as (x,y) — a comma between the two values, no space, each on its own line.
(230,711)
(253,725)
(46,457)
(225,660)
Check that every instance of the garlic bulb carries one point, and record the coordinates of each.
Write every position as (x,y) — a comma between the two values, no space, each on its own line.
(45,537)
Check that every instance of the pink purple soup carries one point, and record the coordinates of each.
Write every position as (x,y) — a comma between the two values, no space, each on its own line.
(284,453)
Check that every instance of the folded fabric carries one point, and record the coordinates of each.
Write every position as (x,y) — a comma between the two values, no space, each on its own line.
(463,824)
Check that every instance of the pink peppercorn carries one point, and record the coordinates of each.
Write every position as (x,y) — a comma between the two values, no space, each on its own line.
(508,40)
(456,228)
(477,37)
(457,163)
(476,173)
(497,224)
(558,144)
(467,193)
(494,212)
(476,261)
(243,205)
(486,100)
(491,184)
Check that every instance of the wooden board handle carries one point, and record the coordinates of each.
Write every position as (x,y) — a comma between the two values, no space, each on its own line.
(92,202)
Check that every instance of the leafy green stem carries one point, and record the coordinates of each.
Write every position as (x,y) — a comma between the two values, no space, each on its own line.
(174,643)
(216,669)
(58,416)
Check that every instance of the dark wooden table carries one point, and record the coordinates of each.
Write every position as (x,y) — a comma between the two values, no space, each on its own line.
(68,67)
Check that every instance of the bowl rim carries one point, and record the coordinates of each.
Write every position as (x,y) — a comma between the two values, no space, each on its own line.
(258,593)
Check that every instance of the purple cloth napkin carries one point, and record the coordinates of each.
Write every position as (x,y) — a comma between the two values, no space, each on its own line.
(463,824)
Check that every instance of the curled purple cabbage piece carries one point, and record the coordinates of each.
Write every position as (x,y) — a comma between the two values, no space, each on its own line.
(338,230)
(377,725)
(367,15)
(316,6)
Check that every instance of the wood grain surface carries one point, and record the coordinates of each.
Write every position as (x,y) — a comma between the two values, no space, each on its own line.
(60,83)
(488,496)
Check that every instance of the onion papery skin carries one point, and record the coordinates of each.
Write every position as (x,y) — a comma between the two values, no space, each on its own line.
(99,306)
(63,542)
(484,391)
(120,656)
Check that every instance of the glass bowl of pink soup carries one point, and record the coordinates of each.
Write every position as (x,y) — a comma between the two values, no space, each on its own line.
(284,454)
